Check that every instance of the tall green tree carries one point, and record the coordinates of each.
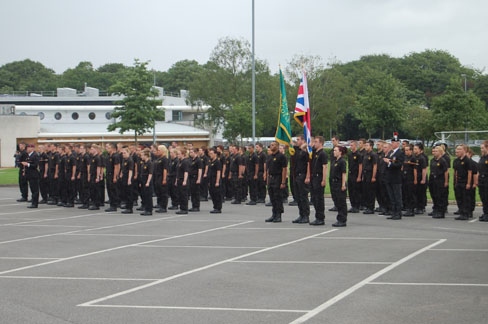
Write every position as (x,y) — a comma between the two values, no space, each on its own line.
(237,122)
(381,105)
(27,75)
(138,109)
(458,110)
(180,75)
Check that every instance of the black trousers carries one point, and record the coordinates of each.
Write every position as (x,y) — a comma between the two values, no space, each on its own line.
(395,194)
(146,195)
(317,194)
(95,198)
(183,192)
(354,188)
(463,199)
(483,192)
(216,195)
(276,194)
(44,187)
(34,188)
(369,190)
(301,195)
(23,186)
(126,194)
(112,191)
(261,186)
(408,192)
(204,187)
(172,192)
(194,192)
(253,188)
(339,198)
(421,196)
(84,189)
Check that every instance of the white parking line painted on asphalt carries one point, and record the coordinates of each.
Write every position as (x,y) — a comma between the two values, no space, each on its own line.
(376,238)
(314,262)
(201,246)
(76,278)
(461,250)
(362,283)
(116,248)
(26,258)
(205,308)
(209,266)
(427,284)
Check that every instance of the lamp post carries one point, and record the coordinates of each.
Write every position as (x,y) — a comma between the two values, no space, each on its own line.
(466,120)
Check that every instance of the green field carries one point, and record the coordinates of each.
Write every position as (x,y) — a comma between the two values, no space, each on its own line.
(9,176)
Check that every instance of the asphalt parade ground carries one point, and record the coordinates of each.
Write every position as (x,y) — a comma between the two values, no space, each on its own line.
(66,265)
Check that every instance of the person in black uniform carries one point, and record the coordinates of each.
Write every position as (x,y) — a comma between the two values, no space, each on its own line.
(62,183)
(83,175)
(338,187)
(483,180)
(438,182)
(43,174)
(474,182)
(420,182)
(223,163)
(70,176)
(172,189)
(53,174)
(302,180)
(163,188)
(182,172)
(127,171)
(463,176)
(393,177)
(445,192)
(146,175)
(214,178)
(383,199)
(236,174)
(261,181)
(252,169)
(370,169)
(196,171)
(318,171)
(94,176)
(203,155)
(355,161)
(409,171)
(277,172)
(21,156)
(30,166)
(113,172)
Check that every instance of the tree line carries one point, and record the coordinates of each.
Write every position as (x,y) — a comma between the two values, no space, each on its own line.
(415,95)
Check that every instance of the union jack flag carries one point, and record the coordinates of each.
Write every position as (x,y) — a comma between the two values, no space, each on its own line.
(302,112)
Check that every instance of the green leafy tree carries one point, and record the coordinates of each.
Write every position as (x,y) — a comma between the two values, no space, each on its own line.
(180,75)
(457,109)
(82,74)
(138,110)
(418,123)
(27,75)
(381,104)
(237,122)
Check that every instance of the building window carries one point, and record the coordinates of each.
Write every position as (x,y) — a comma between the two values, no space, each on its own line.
(108,115)
(58,116)
(75,116)
(41,115)
(92,115)
(177,115)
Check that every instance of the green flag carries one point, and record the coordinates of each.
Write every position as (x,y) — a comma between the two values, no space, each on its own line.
(283,130)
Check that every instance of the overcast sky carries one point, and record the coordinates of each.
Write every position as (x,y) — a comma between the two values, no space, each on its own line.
(62,33)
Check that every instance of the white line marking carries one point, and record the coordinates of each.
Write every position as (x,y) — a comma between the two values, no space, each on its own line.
(313,262)
(376,238)
(120,235)
(362,283)
(473,220)
(202,246)
(26,258)
(86,230)
(209,266)
(117,248)
(206,308)
(28,211)
(461,230)
(76,278)
(48,219)
(462,250)
(427,284)
(51,225)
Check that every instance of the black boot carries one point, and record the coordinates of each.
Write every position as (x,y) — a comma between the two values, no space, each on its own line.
(277,218)
(271,219)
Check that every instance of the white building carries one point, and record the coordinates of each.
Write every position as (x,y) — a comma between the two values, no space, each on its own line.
(75,117)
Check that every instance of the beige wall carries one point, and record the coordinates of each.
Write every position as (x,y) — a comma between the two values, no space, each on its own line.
(12,129)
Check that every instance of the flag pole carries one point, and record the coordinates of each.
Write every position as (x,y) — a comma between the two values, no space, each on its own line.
(253,82)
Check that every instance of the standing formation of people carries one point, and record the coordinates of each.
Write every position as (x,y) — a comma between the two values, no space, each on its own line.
(394,176)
